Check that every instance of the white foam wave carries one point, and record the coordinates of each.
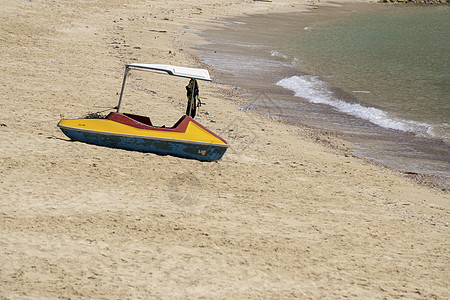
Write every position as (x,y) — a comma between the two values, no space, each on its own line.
(315,91)
(274,53)
(277,54)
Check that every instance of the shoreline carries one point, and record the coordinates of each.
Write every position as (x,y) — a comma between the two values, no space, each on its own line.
(280,216)
(251,87)
(336,141)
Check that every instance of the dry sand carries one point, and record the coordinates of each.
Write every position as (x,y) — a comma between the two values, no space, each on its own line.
(280,216)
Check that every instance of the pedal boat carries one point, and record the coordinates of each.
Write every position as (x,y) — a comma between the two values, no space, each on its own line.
(186,139)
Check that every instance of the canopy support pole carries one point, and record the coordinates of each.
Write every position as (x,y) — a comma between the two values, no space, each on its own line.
(123,88)
(191,103)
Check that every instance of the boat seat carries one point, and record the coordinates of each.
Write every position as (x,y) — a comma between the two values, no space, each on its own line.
(143,119)
(178,122)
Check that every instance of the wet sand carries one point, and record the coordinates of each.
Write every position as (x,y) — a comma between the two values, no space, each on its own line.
(282,215)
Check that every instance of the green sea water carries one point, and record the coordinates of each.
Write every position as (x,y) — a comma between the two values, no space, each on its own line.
(395,59)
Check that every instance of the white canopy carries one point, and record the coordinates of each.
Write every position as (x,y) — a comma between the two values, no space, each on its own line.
(200,74)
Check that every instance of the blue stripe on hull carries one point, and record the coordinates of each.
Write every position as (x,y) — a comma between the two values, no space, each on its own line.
(179,149)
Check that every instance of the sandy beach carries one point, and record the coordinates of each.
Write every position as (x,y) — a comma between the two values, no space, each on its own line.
(287,213)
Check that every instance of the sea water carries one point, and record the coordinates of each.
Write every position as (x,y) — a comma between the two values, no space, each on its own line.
(396,60)
(379,76)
